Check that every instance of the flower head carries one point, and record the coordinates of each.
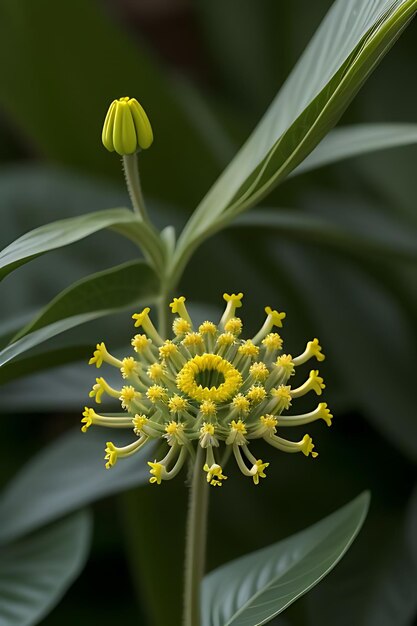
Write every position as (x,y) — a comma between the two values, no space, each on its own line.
(126,128)
(209,389)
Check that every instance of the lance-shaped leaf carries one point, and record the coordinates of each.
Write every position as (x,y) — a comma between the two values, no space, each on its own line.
(64,232)
(350,141)
(98,295)
(386,237)
(37,570)
(250,591)
(349,44)
(64,477)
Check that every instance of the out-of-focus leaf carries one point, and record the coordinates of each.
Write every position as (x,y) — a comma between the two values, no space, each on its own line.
(347,47)
(123,286)
(373,586)
(364,329)
(386,237)
(349,141)
(36,571)
(62,102)
(93,296)
(58,234)
(38,362)
(64,477)
(253,589)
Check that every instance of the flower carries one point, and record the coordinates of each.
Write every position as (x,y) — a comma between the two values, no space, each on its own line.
(207,388)
(126,128)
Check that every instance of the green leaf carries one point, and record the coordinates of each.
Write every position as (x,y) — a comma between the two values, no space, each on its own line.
(36,571)
(350,141)
(347,47)
(44,361)
(66,476)
(253,589)
(123,285)
(373,586)
(96,296)
(386,237)
(358,334)
(58,234)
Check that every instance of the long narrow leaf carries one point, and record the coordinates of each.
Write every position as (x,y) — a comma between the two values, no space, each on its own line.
(58,234)
(64,477)
(387,237)
(350,141)
(118,287)
(250,591)
(96,296)
(347,47)
(36,571)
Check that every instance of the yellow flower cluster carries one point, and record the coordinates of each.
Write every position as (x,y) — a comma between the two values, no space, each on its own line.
(207,387)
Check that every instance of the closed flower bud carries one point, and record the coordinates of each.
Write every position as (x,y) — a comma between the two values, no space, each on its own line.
(126,127)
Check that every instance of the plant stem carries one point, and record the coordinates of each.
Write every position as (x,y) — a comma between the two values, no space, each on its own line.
(195,546)
(163,314)
(131,171)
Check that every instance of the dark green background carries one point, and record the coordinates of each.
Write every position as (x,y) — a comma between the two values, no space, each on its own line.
(205,71)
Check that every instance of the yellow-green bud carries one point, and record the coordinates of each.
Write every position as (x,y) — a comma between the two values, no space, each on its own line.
(126,127)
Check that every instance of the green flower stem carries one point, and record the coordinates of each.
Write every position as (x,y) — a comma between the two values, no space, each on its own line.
(131,171)
(195,546)
(163,311)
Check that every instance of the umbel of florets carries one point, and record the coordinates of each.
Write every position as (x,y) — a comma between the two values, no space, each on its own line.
(207,387)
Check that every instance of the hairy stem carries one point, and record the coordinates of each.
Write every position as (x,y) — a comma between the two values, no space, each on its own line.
(131,171)
(195,546)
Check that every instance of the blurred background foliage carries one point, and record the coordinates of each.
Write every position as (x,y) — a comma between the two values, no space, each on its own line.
(205,71)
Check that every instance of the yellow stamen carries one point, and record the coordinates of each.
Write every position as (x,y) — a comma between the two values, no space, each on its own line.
(193,340)
(313,349)
(234,326)
(167,350)
(207,436)
(272,341)
(174,433)
(313,383)
(256,394)
(226,339)
(234,301)
(156,372)
(269,423)
(143,319)
(180,326)
(157,471)
(101,355)
(237,433)
(241,404)
(140,343)
(177,404)
(178,307)
(101,387)
(156,393)
(321,412)
(286,362)
(215,474)
(129,367)
(127,395)
(248,348)
(259,371)
(273,319)
(257,470)
(207,328)
(208,408)
(284,397)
